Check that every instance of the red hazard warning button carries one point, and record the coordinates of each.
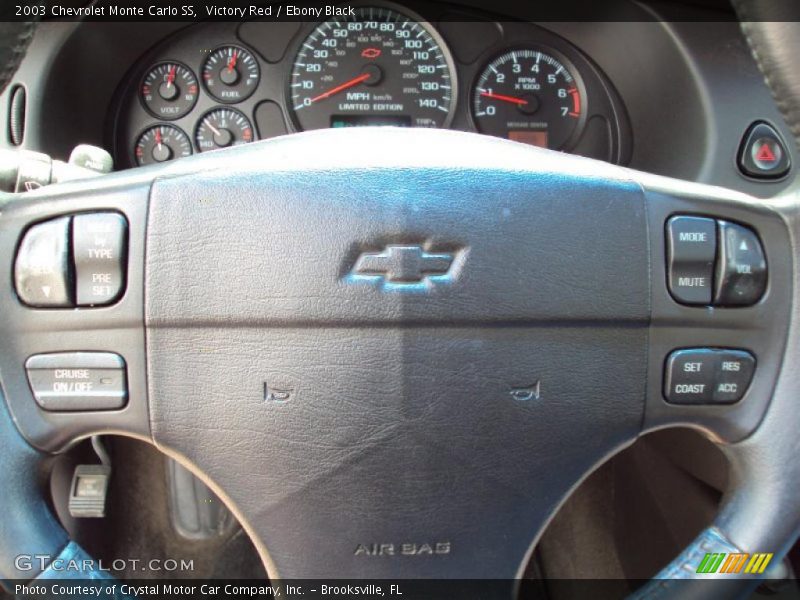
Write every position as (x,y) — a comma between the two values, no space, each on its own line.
(763,153)
(766,153)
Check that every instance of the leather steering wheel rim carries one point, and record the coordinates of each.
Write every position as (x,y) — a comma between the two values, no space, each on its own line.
(760,513)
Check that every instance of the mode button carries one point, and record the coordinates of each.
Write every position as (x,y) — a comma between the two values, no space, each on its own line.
(691,250)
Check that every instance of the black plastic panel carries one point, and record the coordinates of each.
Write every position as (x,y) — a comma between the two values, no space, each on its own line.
(119,328)
(759,329)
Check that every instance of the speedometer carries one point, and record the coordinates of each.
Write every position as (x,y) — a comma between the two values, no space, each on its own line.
(377,67)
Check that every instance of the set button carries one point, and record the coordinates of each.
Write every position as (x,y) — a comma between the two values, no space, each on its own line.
(707,376)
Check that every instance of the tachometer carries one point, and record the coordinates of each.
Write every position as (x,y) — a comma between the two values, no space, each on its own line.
(529,96)
(378,67)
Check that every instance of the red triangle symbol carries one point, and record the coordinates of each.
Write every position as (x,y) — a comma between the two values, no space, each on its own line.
(765,153)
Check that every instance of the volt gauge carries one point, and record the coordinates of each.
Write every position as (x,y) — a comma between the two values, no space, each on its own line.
(169,90)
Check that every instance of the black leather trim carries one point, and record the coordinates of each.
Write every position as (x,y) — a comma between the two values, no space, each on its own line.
(772,29)
(14,41)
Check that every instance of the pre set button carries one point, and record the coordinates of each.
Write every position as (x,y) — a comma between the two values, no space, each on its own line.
(98,247)
(707,376)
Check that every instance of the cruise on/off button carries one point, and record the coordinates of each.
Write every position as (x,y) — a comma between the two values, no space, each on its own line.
(691,251)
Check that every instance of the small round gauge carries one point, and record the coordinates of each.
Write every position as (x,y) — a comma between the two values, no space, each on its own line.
(223,127)
(169,90)
(161,143)
(230,74)
(377,67)
(529,96)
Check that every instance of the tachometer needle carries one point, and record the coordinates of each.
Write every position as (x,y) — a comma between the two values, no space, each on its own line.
(342,87)
(504,98)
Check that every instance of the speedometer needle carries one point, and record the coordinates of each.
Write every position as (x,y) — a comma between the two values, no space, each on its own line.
(342,87)
(504,98)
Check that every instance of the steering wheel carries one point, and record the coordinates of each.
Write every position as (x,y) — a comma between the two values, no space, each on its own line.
(395,353)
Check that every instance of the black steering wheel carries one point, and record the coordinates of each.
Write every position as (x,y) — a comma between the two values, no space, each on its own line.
(399,363)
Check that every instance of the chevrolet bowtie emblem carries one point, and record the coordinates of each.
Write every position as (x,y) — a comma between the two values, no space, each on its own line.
(403,266)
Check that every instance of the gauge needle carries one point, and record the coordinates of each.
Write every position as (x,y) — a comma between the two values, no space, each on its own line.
(232,61)
(158,138)
(171,75)
(504,98)
(212,128)
(344,86)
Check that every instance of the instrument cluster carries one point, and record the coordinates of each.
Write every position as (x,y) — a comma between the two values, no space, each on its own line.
(218,85)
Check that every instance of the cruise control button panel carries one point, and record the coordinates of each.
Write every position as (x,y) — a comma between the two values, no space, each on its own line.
(78,381)
(707,375)
(72,261)
(711,262)
(42,272)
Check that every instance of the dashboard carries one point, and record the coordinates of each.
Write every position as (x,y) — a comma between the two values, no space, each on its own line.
(218,85)
(668,88)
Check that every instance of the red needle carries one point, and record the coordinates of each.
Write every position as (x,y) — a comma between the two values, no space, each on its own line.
(171,75)
(511,99)
(158,137)
(344,86)
(232,61)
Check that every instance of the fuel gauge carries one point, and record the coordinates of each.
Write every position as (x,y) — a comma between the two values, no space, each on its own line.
(230,74)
